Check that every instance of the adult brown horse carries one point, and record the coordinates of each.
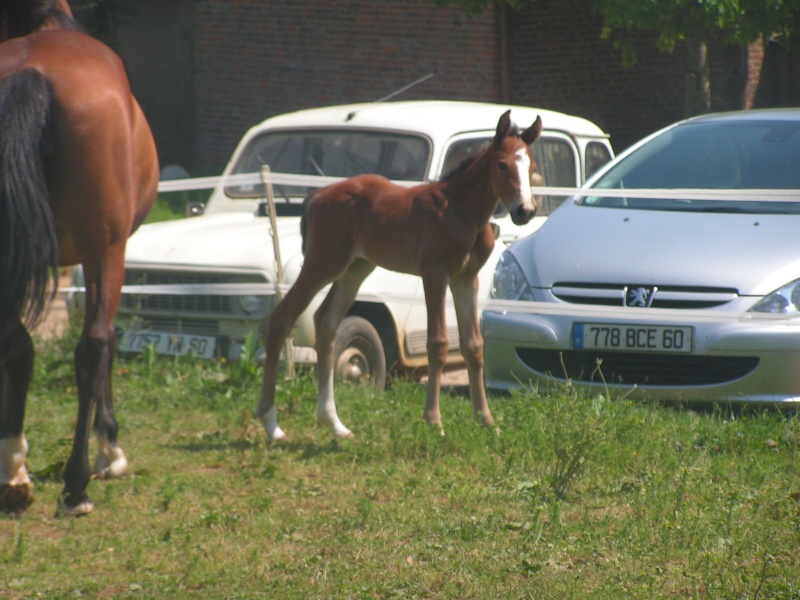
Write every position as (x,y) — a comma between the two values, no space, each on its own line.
(78,174)
(439,231)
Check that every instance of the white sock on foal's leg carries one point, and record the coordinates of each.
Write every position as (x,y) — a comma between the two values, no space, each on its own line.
(326,409)
(270,422)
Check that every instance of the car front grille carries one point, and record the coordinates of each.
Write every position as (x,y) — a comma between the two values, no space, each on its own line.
(668,370)
(643,296)
(178,325)
(184,304)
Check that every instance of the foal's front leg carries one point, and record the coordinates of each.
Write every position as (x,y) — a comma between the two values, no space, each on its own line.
(435,289)
(465,296)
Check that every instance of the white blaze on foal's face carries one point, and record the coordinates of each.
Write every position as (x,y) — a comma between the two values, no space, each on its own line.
(523,160)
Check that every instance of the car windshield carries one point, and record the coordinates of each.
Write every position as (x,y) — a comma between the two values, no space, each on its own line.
(739,154)
(330,153)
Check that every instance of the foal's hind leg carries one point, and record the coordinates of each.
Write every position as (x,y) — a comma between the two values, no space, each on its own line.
(326,321)
(16,370)
(279,327)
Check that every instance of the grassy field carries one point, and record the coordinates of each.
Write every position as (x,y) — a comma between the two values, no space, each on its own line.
(575,497)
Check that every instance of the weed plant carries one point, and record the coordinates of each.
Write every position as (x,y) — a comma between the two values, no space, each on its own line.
(572,497)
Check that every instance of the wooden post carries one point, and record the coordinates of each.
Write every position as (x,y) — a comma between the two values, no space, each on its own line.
(279,275)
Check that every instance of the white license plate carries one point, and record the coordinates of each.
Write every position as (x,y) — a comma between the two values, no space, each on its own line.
(642,338)
(173,344)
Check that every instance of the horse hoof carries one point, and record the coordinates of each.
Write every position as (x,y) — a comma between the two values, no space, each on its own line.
(79,510)
(112,464)
(277,435)
(340,432)
(343,433)
(15,498)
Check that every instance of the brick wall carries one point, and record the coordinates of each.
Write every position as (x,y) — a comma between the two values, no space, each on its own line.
(258,59)
(225,65)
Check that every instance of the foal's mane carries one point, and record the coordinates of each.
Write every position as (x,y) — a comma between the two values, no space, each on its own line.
(460,168)
(26,16)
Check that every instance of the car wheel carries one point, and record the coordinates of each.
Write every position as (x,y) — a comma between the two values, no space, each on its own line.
(359,357)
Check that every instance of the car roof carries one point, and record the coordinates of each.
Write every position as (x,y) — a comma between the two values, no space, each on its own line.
(764,114)
(434,118)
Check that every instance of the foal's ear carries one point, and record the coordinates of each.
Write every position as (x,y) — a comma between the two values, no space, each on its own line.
(531,134)
(503,127)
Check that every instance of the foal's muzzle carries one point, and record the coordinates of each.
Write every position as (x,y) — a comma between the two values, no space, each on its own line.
(521,215)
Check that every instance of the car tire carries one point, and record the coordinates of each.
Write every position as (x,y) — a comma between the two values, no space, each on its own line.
(359,357)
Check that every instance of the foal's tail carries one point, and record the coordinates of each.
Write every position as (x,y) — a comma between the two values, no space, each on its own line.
(28,243)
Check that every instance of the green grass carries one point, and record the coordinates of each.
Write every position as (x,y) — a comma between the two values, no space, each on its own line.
(575,497)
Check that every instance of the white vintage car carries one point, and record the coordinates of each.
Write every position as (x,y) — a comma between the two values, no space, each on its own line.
(203,284)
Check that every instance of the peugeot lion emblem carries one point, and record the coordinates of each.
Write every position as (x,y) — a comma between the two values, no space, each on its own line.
(639,296)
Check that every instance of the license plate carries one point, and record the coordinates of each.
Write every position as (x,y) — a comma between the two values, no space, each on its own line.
(173,344)
(642,338)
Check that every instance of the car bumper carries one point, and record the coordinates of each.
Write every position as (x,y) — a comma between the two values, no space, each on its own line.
(732,358)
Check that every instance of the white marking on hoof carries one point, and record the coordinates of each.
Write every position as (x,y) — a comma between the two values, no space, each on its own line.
(270,422)
(339,430)
(12,462)
(16,489)
(80,510)
(111,461)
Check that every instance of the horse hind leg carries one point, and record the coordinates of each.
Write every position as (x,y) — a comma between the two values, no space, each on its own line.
(279,326)
(92,374)
(326,321)
(16,370)
(111,460)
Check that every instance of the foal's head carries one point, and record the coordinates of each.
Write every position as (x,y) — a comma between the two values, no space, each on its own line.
(514,167)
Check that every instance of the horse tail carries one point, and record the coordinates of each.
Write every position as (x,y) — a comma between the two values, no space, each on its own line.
(28,242)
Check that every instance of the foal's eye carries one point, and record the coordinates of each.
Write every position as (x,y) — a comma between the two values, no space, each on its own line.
(502,166)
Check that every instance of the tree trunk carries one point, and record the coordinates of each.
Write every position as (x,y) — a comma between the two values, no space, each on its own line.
(697,87)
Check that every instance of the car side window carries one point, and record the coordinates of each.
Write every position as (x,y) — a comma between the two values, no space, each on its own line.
(597,155)
(557,164)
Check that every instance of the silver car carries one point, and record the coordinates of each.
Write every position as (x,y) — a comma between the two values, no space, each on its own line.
(675,275)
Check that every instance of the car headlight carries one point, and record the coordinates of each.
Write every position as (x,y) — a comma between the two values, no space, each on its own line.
(783,301)
(509,280)
(253,304)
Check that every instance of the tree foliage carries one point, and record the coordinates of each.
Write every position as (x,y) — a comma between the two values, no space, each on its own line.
(673,21)
(691,22)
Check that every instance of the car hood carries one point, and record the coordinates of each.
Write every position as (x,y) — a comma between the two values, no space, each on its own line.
(754,254)
(226,240)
